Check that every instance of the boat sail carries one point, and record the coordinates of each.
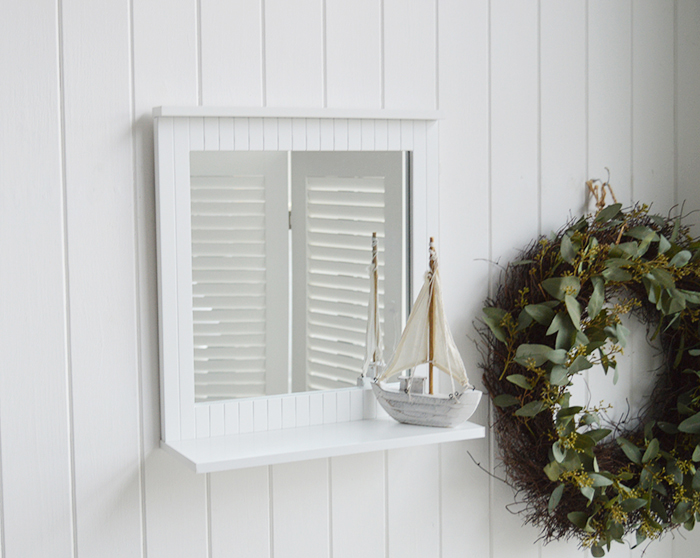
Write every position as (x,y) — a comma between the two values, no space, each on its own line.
(427,339)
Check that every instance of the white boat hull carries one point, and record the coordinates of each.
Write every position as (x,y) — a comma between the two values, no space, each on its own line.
(427,410)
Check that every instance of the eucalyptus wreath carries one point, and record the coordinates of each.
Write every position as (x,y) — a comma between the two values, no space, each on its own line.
(558,313)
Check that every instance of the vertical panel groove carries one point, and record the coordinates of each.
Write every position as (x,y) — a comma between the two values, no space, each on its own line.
(489,271)
(263,55)
(198,17)
(382,63)
(587,92)
(437,62)
(539,118)
(66,285)
(675,103)
(208,503)
(324,55)
(271,510)
(386,502)
(631,101)
(329,523)
(137,290)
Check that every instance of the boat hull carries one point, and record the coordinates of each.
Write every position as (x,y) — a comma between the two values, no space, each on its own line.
(427,410)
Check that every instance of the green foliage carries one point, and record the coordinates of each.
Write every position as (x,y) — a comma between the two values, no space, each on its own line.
(572,291)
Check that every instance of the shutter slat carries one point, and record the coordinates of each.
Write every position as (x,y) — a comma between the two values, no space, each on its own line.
(228,250)
(213,263)
(239,289)
(228,302)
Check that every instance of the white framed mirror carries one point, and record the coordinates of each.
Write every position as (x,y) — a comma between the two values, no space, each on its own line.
(249,166)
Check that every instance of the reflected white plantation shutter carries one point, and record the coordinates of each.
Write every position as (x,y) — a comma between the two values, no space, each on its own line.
(239,270)
(338,201)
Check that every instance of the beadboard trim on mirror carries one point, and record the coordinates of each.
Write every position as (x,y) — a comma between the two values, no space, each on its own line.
(177,131)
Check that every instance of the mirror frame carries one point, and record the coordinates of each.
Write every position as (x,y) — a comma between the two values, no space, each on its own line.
(179,130)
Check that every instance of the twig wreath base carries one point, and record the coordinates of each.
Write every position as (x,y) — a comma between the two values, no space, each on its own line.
(557,313)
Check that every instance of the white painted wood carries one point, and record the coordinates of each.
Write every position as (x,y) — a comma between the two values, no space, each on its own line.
(35,466)
(201,415)
(300,111)
(206,455)
(274,414)
(307,533)
(653,99)
(164,71)
(688,108)
(167,268)
(176,503)
(412,501)
(217,420)
(259,415)
(111,66)
(610,94)
(563,112)
(410,54)
(358,483)
(514,126)
(101,260)
(231,417)
(240,513)
(184,141)
(231,53)
(353,53)
(514,192)
(294,53)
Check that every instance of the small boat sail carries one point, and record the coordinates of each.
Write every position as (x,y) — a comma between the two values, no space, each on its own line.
(374,347)
(427,339)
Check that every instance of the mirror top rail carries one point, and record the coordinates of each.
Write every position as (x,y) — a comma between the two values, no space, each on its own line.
(288,112)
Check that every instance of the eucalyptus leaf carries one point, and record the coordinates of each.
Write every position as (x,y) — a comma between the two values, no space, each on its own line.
(696,454)
(559,287)
(614,273)
(664,244)
(530,409)
(608,213)
(681,258)
(555,497)
(600,480)
(693,297)
(696,481)
(541,313)
(597,551)
(632,504)
(559,376)
(682,513)
(574,309)
(595,303)
(519,380)
(553,470)
(493,318)
(578,518)
(631,451)
(568,250)
(588,492)
(652,451)
(524,320)
(691,425)
(505,400)
(558,452)
(580,363)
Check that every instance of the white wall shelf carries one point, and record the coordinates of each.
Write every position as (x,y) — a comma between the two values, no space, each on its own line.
(238,451)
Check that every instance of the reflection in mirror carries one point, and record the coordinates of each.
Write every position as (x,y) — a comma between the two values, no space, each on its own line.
(281,244)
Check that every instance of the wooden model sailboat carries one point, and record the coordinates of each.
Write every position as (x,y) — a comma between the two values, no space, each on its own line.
(427,339)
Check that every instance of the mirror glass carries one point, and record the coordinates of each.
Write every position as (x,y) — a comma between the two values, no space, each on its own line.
(281,247)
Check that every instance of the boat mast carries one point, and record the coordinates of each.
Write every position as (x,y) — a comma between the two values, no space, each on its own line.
(374,279)
(431,318)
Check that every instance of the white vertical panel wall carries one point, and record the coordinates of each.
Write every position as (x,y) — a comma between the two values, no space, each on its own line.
(537,95)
